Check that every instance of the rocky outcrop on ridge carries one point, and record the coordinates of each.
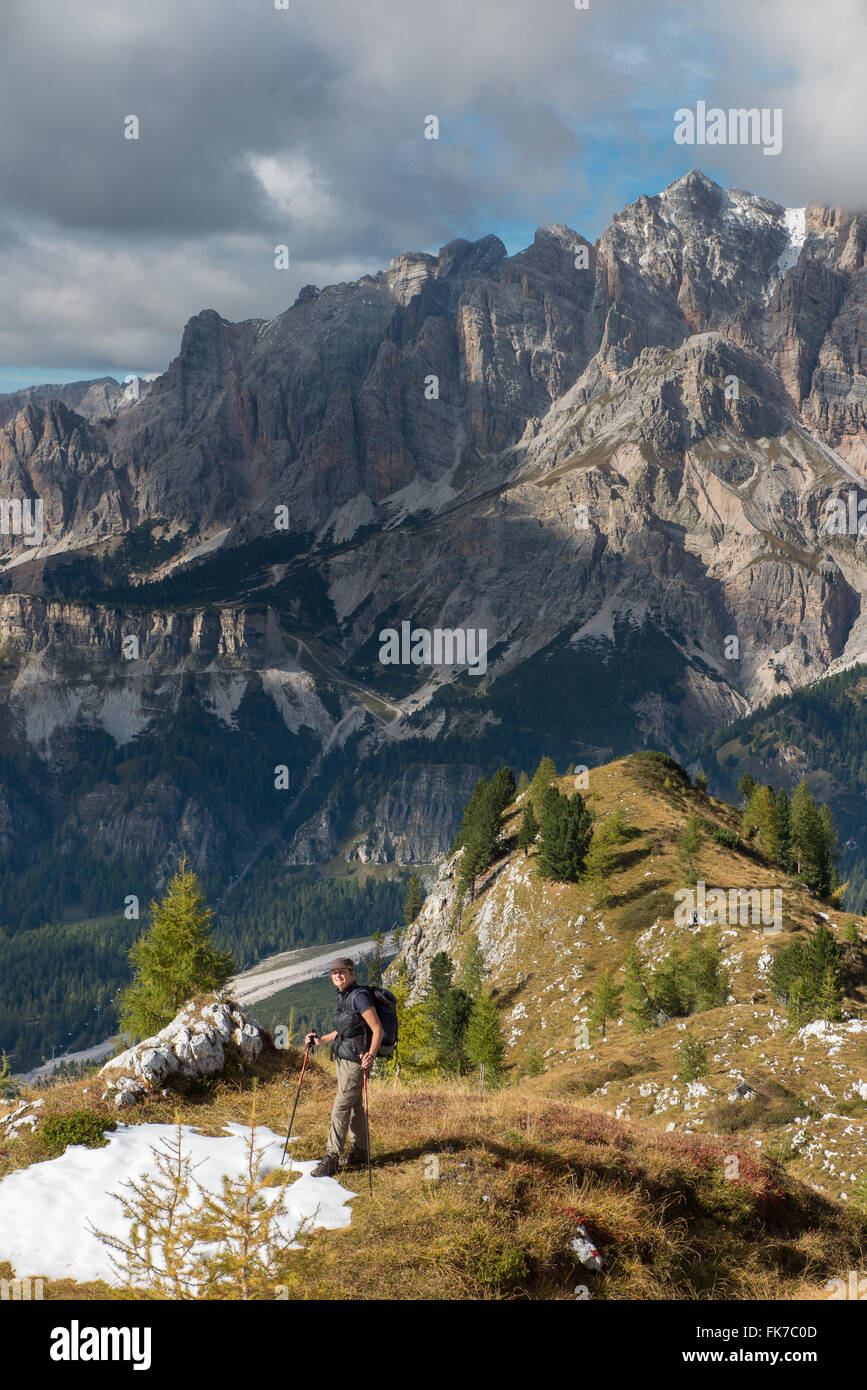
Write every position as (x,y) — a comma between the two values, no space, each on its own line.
(200,1041)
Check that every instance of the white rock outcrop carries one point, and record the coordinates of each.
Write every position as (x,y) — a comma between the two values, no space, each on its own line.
(198,1042)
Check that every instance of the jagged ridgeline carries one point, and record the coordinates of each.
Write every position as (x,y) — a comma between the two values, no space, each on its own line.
(615,458)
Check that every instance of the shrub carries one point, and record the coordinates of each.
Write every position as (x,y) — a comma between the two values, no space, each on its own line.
(652,755)
(490,1260)
(771,1107)
(76,1127)
(723,836)
(641,914)
(534,1062)
(8,1089)
(850,933)
(693,1059)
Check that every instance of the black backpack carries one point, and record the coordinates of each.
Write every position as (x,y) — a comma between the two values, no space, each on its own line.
(353,1034)
(386,1007)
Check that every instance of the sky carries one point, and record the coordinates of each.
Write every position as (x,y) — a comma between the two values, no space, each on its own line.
(305,127)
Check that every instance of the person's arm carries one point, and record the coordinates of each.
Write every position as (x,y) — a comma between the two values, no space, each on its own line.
(315,1041)
(371,1018)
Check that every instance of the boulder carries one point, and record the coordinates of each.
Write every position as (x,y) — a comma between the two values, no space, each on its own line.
(198,1042)
(743,1091)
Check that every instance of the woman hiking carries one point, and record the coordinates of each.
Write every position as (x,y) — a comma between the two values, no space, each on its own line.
(355,1039)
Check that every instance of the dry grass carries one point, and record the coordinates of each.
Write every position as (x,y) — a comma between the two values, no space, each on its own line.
(479,1196)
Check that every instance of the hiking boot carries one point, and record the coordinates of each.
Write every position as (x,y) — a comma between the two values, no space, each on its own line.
(326,1168)
(356,1158)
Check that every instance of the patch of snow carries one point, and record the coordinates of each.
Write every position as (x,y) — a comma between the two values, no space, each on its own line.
(46,1210)
(795,223)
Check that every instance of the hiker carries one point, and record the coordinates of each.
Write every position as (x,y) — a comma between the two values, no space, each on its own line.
(355,1042)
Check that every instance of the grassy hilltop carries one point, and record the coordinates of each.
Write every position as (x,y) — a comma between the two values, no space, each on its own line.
(479,1196)
(548,946)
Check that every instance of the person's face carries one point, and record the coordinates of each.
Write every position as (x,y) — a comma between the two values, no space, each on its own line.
(342,978)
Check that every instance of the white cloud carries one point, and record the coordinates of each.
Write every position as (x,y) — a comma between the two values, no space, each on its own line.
(295,188)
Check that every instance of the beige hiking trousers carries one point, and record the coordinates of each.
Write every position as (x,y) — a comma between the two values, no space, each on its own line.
(348,1112)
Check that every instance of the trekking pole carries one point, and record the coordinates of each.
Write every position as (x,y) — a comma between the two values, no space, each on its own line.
(367,1126)
(295,1106)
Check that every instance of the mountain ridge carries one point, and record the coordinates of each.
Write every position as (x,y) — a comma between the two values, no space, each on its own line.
(620,473)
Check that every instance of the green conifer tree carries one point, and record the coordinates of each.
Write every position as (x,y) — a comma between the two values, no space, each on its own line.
(474,969)
(615,828)
(784,820)
(173,960)
(705,983)
(812,841)
(605,1002)
(529,829)
(832,848)
(668,986)
(415,1053)
(8,1088)
(566,826)
(374,964)
(502,789)
(480,794)
(761,819)
(824,953)
(807,977)
(450,1017)
(850,932)
(441,974)
(639,1003)
(689,846)
(542,779)
(484,1038)
(480,842)
(414,900)
(693,1058)
(829,998)
(599,866)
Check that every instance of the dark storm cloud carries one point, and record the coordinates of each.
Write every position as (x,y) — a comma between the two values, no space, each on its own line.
(305,126)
